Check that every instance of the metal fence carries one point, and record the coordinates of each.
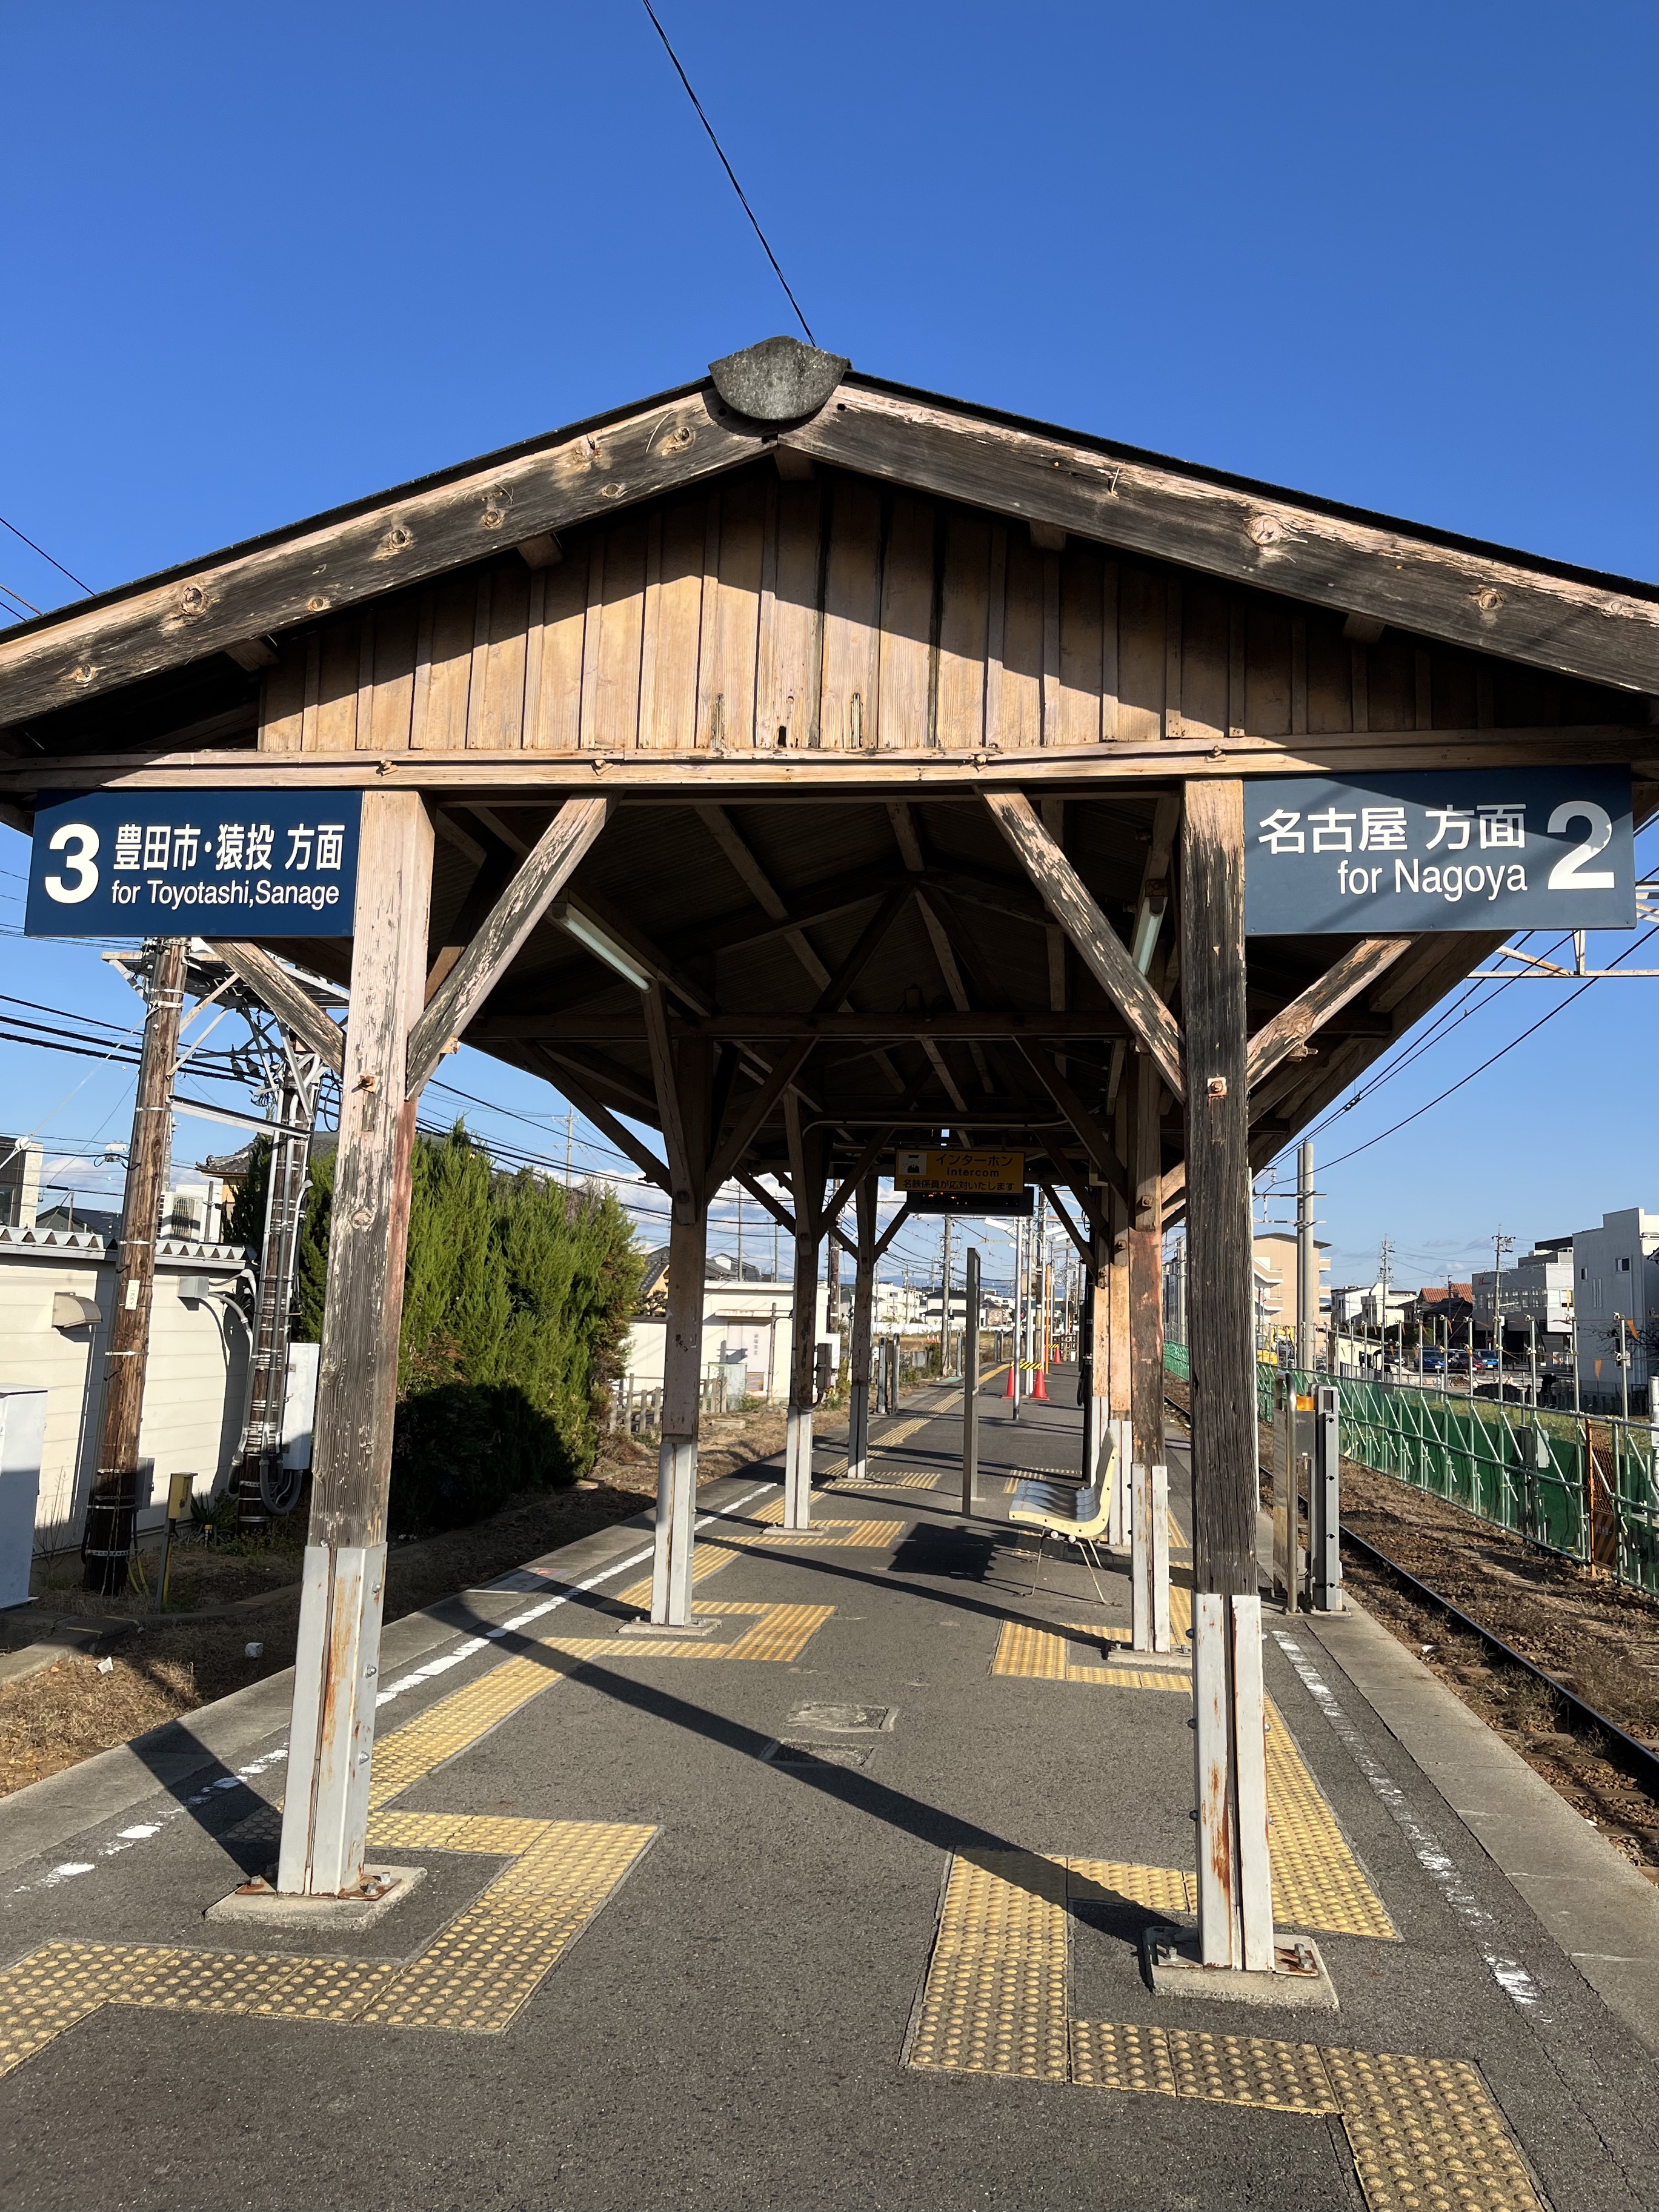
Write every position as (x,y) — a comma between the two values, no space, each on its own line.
(1578,1483)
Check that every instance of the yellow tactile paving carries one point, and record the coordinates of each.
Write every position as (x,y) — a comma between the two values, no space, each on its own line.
(994,2001)
(1113,1881)
(891,1478)
(1425,2133)
(858,1535)
(1225,2070)
(1318,1883)
(474,1976)
(706,1560)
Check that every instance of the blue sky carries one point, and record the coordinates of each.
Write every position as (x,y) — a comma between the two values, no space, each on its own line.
(262,260)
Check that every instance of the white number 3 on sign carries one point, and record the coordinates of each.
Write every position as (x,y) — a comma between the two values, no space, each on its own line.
(1569,872)
(78,843)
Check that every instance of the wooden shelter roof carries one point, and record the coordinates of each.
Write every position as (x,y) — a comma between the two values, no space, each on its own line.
(801,649)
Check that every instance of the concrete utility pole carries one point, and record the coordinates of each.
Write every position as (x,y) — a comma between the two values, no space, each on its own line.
(1307,1263)
(1500,1244)
(112,1508)
(944,1301)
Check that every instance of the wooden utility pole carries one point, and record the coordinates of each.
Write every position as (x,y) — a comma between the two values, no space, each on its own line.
(112,1508)
(325,1814)
(279,1252)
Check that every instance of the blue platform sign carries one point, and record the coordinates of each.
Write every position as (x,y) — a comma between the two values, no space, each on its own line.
(1468,848)
(239,863)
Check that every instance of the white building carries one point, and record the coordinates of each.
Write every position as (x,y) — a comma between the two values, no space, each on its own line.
(1538,1287)
(56,1293)
(1616,1292)
(746,1322)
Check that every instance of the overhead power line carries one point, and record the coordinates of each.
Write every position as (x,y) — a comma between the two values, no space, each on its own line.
(730,171)
(1559,1009)
(45,555)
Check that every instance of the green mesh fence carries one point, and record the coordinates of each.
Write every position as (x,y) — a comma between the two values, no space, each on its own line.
(1578,1485)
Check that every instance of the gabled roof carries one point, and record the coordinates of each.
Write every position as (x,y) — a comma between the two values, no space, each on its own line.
(1381,571)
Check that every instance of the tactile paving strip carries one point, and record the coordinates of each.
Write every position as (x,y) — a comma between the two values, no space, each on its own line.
(857,1535)
(1318,1883)
(996,1997)
(892,1479)
(1425,2134)
(473,1977)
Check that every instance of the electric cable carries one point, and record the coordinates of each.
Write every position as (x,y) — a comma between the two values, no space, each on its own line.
(730,171)
(45,555)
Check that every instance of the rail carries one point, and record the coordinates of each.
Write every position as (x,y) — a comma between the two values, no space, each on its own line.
(1584,1485)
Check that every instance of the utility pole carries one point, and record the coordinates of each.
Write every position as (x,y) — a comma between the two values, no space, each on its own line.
(279,1251)
(1385,1269)
(1500,1244)
(944,1300)
(1307,1261)
(112,1508)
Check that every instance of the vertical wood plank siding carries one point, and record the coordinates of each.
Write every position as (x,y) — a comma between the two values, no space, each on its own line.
(841,613)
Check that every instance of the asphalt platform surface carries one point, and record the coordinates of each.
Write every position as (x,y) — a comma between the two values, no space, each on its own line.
(741,2022)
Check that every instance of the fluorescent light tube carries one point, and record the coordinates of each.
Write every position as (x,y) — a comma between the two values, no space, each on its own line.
(600,943)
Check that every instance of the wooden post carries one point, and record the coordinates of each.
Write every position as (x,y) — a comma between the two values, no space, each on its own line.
(1149,1573)
(1235,1899)
(1146,1266)
(686,1081)
(112,1508)
(806,1157)
(970,1387)
(1119,1378)
(1097,1413)
(1221,1307)
(864,1302)
(325,1813)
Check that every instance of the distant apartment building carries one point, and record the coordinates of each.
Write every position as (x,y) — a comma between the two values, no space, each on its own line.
(1277,1271)
(1538,1289)
(1616,1291)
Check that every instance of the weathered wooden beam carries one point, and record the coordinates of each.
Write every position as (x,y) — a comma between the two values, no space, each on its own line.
(756,1108)
(539,882)
(1051,1188)
(1074,906)
(1312,1009)
(677,779)
(892,1229)
(826,1028)
(1220,1295)
(564,1078)
(338,560)
(1412,578)
(278,993)
(1090,1134)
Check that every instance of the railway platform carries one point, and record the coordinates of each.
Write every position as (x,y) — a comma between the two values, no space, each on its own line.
(837,1901)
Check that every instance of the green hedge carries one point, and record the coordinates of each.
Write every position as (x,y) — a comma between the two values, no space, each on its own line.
(517,1301)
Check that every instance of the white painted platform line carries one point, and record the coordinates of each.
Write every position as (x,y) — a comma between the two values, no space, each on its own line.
(145,1832)
(1430,1854)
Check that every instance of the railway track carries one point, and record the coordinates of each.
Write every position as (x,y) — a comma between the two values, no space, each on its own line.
(1620,1749)
(1632,1757)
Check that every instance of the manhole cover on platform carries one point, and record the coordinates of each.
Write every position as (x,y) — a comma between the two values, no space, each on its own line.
(820,1755)
(844,1720)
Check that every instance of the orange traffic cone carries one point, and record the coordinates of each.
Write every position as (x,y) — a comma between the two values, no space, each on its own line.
(1008,1388)
(1039,1389)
